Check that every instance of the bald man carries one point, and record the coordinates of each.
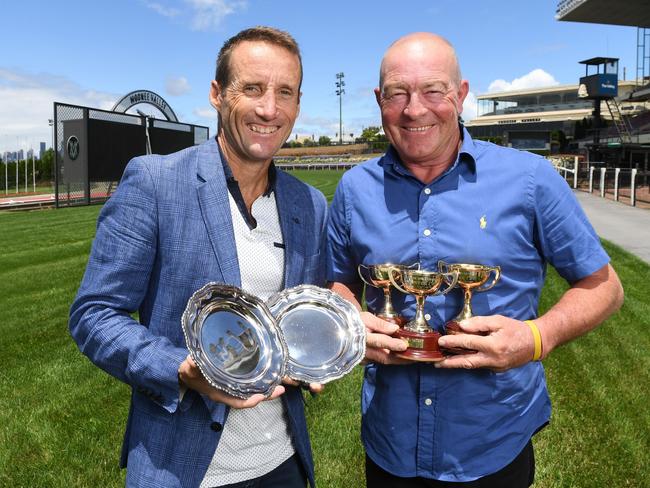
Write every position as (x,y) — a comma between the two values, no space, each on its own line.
(437,195)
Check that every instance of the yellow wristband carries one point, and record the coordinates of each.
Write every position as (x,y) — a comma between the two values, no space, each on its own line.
(537,338)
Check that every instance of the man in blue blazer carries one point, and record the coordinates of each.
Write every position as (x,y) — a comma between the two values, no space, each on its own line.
(219,212)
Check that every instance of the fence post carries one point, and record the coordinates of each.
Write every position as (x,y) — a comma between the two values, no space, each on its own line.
(591,179)
(602,182)
(617,172)
(633,188)
(575,172)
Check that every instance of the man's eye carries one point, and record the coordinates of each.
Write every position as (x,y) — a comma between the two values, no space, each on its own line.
(252,89)
(286,93)
(396,96)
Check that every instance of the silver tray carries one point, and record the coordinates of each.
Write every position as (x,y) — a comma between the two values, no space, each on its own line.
(234,340)
(324,333)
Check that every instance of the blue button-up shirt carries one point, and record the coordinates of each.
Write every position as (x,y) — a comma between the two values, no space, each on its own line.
(493,206)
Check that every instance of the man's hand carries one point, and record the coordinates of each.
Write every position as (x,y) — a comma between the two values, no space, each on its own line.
(190,375)
(314,388)
(506,344)
(379,343)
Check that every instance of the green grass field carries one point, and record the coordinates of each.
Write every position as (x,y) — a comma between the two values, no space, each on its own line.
(62,419)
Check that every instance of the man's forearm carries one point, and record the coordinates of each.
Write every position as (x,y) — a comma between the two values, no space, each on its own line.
(588,303)
(352,293)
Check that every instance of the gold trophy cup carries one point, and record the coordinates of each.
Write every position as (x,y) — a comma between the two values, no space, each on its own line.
(471,278)
(378,276)
(422,339)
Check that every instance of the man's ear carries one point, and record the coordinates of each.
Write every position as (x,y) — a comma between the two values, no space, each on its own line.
(216,95)
(298,111)
(378,96)
(463,90)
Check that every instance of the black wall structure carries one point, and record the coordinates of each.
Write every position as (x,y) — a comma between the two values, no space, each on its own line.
(93,147)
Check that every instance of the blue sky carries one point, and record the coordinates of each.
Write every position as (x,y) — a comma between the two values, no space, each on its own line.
(94,52)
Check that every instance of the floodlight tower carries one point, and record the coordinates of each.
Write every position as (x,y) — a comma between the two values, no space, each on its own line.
(340,91)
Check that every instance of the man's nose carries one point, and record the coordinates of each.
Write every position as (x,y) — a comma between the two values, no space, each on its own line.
(415,108)
(267,107)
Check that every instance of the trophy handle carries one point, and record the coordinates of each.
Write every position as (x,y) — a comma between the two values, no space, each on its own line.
(451,279)
(497,275)
(443,267)
(391,276)
(364,273)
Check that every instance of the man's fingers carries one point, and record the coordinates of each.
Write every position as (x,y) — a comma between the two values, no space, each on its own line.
(248,402)
(316,387)
(477,325)
(384,356)
(470,342)
(383,341)
(463,361)
(375,324)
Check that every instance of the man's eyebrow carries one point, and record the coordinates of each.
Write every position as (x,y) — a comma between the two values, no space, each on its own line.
(394,85)
(436,84)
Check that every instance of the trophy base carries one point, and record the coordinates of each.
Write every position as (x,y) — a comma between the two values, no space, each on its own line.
(453,328)
(423,346)
(393,319)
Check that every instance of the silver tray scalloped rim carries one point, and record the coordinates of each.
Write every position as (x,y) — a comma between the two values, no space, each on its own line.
(234,340)
(324,333)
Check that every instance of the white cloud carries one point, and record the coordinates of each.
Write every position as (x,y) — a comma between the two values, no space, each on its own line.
(469,107)
(206,113)
(177,86)
(537,78)
(200,15)
(27,104)
(208,14)
(162,9)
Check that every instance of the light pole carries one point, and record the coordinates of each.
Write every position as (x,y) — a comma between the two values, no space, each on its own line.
(33,172)
(340,91)
(26,172)
(17,163)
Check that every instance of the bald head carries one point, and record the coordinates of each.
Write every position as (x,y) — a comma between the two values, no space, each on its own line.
(421,45)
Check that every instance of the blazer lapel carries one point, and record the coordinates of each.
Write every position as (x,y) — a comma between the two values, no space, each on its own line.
(292,223)
(215,209)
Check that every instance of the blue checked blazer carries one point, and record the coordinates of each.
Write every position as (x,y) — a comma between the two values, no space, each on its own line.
(166,232)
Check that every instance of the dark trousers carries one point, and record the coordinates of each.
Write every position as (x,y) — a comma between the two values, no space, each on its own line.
(288,475)
(520,473)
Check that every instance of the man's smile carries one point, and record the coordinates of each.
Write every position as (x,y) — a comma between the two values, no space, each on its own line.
(263,129)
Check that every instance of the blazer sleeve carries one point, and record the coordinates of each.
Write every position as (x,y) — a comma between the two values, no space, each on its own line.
(114,286)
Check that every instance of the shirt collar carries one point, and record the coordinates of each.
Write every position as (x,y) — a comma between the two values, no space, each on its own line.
(467,154)
(230,178)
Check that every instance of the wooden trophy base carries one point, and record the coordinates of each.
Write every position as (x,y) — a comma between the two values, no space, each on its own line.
(423,346)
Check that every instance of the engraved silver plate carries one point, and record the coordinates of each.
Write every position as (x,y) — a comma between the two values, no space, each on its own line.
(234,340)
(324,333)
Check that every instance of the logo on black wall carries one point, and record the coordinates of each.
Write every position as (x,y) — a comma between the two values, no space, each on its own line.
(73,147)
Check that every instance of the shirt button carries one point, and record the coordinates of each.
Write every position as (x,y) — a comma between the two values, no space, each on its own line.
(216,426)
(427,316)
(428,402)
(427,191)
(427,232)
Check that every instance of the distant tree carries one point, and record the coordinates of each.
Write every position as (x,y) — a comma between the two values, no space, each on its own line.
(295,144)
(45,170)
(324,141)
(309,143)
(372,134)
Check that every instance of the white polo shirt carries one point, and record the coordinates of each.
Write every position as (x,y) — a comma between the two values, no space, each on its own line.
(255,440)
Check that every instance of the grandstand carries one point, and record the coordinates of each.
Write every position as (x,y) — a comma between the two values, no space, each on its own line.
(525,119)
